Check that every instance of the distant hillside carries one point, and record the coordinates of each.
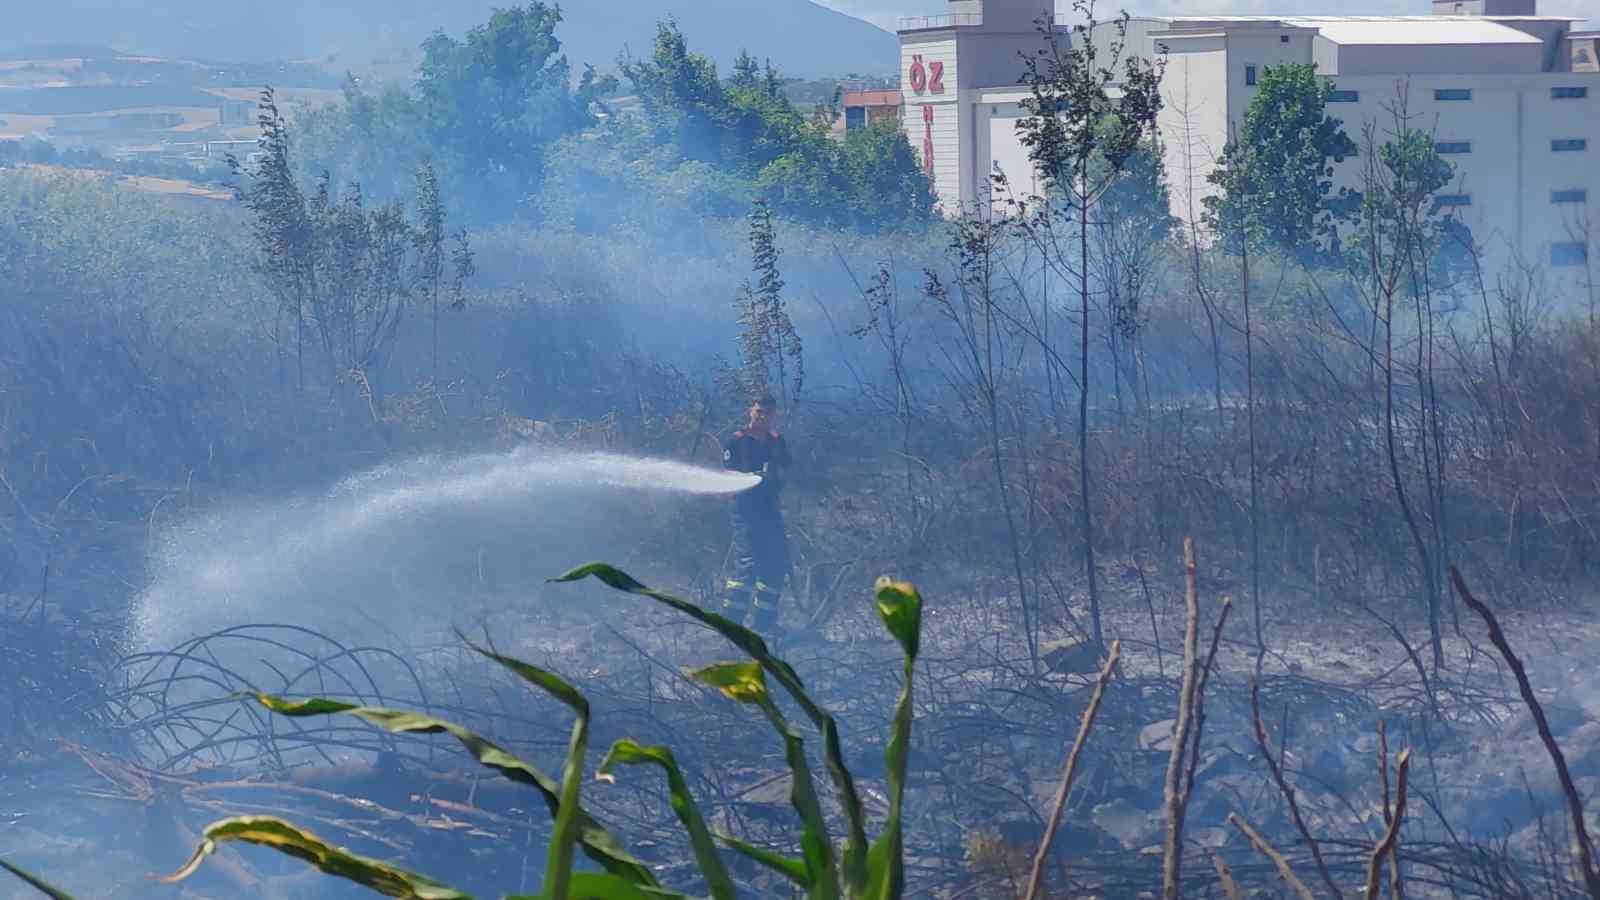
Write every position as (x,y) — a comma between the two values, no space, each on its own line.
(801,38)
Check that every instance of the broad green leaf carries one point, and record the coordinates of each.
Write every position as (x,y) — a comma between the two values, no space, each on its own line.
(38,883)
(855,851)
(792,869)
(628,752)
(900,608)
(598,843)
(558,863)
(279,835)
(744,682)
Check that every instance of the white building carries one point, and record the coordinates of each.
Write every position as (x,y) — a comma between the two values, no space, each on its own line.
(1512,97)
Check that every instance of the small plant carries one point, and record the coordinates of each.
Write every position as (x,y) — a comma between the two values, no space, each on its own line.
(857,871)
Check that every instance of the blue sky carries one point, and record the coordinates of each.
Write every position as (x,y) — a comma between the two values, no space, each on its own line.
(885,12)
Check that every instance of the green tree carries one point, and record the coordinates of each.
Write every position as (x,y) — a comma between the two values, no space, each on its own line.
(485,111)
(495,101)
(1276,173)
(747,126)
(685,104)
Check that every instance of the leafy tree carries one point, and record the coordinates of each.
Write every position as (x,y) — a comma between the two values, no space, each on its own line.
(374,138)
(684,102)
(1276,174)
(485,110)
(747,125)
(496,100)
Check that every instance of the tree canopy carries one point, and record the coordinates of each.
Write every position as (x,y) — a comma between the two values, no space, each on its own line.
(1276,173)
(515,133)
(746,126)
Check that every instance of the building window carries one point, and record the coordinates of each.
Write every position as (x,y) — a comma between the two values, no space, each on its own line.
(1283,39)
(1445,148)
(1574,253)
(1344,96)
(1453,94)
(1568,93)
(1249,74)
(1441,201)
(1578,195)
(1568,145)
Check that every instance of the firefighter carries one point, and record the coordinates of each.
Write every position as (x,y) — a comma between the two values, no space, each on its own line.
(761,551)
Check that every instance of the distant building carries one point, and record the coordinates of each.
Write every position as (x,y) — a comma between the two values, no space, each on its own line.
(236,113)
(865,108)
(1512,97)
(220,149)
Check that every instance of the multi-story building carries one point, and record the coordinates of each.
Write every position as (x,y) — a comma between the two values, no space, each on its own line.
(865,108)
(1512,99)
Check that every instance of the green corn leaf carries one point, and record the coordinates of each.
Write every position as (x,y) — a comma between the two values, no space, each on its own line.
(855,851)
(38,883)
(558,863)
(792,869)
(279,835)
(745,683)
(900,608)
(628,752)
(598,843)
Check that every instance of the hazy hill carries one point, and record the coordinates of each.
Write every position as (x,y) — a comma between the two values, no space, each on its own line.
(802,38)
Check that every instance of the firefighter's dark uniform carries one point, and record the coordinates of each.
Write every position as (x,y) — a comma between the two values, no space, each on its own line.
(761,552)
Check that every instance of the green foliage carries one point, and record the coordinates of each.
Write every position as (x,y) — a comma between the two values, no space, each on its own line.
(900,608)
(267,831)
(485,109)
(630,752)
(746,683)
(747,125)
(498,115)
(597,843)
(1276,175)
(878,874)
(1402,233)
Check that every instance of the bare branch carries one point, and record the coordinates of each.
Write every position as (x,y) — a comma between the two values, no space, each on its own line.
(1286,790)
(1084,726)
(1284,870)
(1591,877)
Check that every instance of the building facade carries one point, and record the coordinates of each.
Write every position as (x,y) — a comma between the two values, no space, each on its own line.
(1511,97)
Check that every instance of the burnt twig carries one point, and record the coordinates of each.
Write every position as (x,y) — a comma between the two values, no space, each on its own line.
(1389,846)
(1286,790)
(1084,726)
(1497,636)
(1285,871)
(1176,798)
